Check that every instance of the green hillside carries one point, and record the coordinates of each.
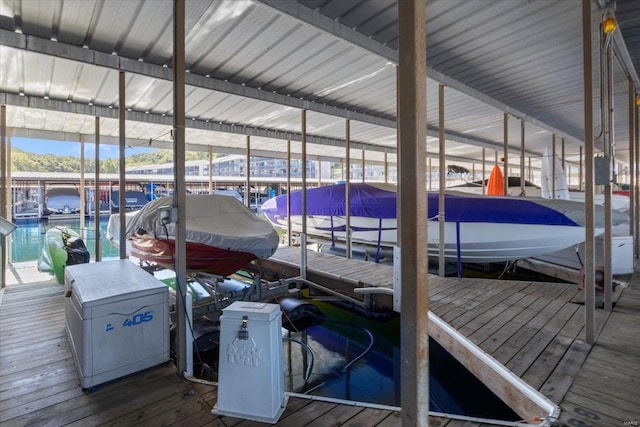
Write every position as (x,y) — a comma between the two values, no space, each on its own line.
(23,161)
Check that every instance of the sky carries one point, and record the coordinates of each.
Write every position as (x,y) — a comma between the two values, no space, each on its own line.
(65,148)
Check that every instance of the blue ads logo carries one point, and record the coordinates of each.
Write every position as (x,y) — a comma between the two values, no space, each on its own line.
(138,319)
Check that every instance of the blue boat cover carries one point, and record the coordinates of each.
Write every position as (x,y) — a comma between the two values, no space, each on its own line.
(379,201)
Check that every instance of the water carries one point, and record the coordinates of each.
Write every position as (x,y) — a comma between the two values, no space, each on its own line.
(375,378)
(347,364)
(28,238)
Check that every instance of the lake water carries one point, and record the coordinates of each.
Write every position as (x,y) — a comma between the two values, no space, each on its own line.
(376,377)
(28,238)
(358,359)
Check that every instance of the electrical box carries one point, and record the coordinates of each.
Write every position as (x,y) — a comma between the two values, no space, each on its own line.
(168,214)
(117,320)
(250,369)
(602,170)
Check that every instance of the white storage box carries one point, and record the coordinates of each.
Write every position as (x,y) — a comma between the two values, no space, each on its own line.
(621,254)
(250,371)
(117,320)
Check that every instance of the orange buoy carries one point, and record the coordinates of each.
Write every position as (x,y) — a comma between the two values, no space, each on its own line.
(495,185)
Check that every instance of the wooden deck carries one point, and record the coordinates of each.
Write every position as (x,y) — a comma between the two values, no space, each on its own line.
(39,384)
(534,329)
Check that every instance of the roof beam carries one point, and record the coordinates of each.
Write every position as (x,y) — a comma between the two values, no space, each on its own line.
(157,144)
(112,113)
(620,47)
(138,116)
(166,120)
(328,25)
(87,56)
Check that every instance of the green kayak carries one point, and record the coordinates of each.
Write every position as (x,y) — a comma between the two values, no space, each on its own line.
(62,246)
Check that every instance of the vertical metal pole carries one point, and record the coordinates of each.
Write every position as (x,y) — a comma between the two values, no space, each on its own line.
(569,176)
(82,189)
(363,179)
(96,201)
(632,164)
(247,184)
(3,160)
(589,289)
(3,193)
(506,153)
(522,188)
(386,168)
(484,171)
(319,172)
(179,195)
(608,151)
(347,188)
(563,158)
(8,194)
(442,183)
(9,201)
(412,127)
(123,180)
(553,166)
(529,171)
(210,169)
(636,189)
(303,161)
(580,171)
(289,192)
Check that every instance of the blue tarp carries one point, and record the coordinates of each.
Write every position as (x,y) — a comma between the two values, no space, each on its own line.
(379,201)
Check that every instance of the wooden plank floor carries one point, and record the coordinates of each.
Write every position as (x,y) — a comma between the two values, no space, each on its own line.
(39,385)
(534,329)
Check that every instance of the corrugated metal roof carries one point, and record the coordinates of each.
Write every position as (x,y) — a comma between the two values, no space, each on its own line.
(256,64)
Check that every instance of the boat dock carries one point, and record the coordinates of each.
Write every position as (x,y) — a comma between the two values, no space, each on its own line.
(534,329)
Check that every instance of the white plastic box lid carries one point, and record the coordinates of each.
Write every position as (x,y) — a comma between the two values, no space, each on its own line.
(109,281)
(255,310)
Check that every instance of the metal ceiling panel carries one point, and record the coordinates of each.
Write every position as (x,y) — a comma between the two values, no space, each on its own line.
(524,54)
(628,14)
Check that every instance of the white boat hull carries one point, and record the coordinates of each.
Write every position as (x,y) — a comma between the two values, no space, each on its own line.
(480,242)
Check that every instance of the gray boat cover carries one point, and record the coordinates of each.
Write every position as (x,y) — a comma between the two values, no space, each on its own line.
(212,220)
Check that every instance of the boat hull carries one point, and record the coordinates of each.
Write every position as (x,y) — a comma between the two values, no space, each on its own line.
(199,257)
(480,242)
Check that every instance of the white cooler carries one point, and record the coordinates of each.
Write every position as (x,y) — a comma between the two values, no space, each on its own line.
(117,320)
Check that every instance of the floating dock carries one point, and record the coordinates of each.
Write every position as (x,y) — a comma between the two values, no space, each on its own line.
(534,329)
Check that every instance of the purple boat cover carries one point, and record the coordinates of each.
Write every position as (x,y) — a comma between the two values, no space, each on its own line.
(379,201)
